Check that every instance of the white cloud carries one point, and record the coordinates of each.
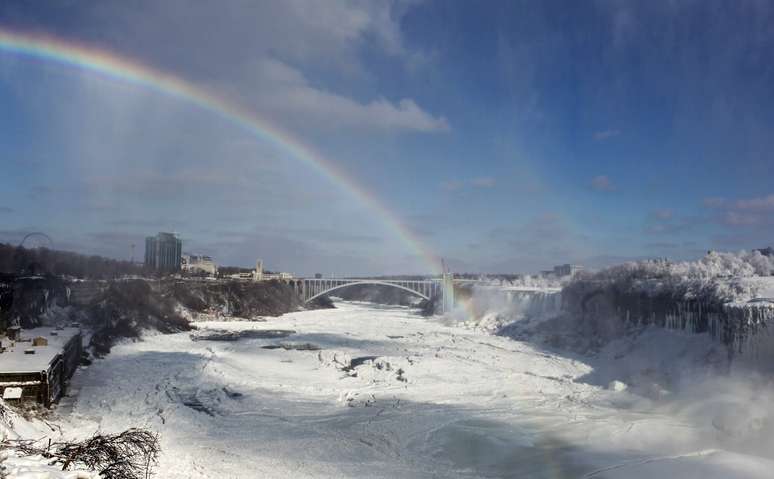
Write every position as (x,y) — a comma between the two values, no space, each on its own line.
(765,203)
(606,134)
(714,202)
(452,185)
(736,218)
(263,54)
(478,182)
(751,212)
(287,94)
(483,182)
(602,183)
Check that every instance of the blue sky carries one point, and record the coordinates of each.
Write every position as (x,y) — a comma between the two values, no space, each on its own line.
(508,136)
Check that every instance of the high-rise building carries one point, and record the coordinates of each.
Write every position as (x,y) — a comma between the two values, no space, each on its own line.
(163,252)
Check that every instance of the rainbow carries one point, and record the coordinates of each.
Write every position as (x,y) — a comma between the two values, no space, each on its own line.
(117,68)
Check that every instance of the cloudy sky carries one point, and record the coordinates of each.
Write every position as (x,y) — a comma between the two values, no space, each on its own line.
(506,136)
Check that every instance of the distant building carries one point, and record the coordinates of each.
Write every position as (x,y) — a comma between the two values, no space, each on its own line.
(163,252)
(198,264)
(279,276)
(242,275)
(566,270)
(258,273)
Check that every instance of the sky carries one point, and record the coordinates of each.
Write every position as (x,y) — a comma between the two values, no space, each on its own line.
(504,136)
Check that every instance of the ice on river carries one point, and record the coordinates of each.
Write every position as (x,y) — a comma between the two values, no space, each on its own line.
(383,392)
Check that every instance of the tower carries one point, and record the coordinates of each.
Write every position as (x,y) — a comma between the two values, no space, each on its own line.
(258,273)
(447,289)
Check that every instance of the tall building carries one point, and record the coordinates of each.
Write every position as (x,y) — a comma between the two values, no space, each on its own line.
(258,273)
(163,252)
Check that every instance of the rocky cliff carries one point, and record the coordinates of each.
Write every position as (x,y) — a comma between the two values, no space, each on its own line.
(125,308)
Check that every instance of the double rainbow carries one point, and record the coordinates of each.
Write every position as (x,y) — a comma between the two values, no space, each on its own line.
(117,68)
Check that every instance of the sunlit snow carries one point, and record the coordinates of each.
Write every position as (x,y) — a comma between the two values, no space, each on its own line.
(387,393)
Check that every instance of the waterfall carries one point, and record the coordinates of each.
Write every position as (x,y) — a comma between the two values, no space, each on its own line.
(534,303)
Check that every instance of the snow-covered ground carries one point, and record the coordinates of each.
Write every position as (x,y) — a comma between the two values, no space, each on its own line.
(391,394)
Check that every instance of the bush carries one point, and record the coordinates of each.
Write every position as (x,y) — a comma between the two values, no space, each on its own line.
(128,455)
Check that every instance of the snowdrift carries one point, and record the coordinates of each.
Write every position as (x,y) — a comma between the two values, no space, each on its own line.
(12,427)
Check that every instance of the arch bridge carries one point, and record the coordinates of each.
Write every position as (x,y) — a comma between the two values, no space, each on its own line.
(428,289)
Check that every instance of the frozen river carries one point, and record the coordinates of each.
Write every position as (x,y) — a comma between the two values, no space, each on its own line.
(366,391)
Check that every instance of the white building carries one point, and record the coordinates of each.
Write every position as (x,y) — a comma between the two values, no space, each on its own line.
(242,276)
(259,275)
(198,264)
(280,276)
(566,270)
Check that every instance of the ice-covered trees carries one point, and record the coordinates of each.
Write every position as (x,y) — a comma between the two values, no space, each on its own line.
(707,295)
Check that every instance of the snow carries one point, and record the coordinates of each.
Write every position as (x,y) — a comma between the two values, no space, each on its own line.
(391,394)
(763,287)
(707,464)
(529,289)
(36,467)
(13,426)
(12,393)
(14,360)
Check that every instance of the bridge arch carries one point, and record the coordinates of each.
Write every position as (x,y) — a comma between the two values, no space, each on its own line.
(377,282)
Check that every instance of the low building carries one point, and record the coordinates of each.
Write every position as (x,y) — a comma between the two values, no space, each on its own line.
(36,364)
(194,264)
(278,276)
(258,274)
(241,276)
(563,270)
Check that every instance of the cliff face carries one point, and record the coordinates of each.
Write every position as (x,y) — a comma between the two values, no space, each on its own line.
(125,308)
(27,299)
(725,308)
(243,299)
